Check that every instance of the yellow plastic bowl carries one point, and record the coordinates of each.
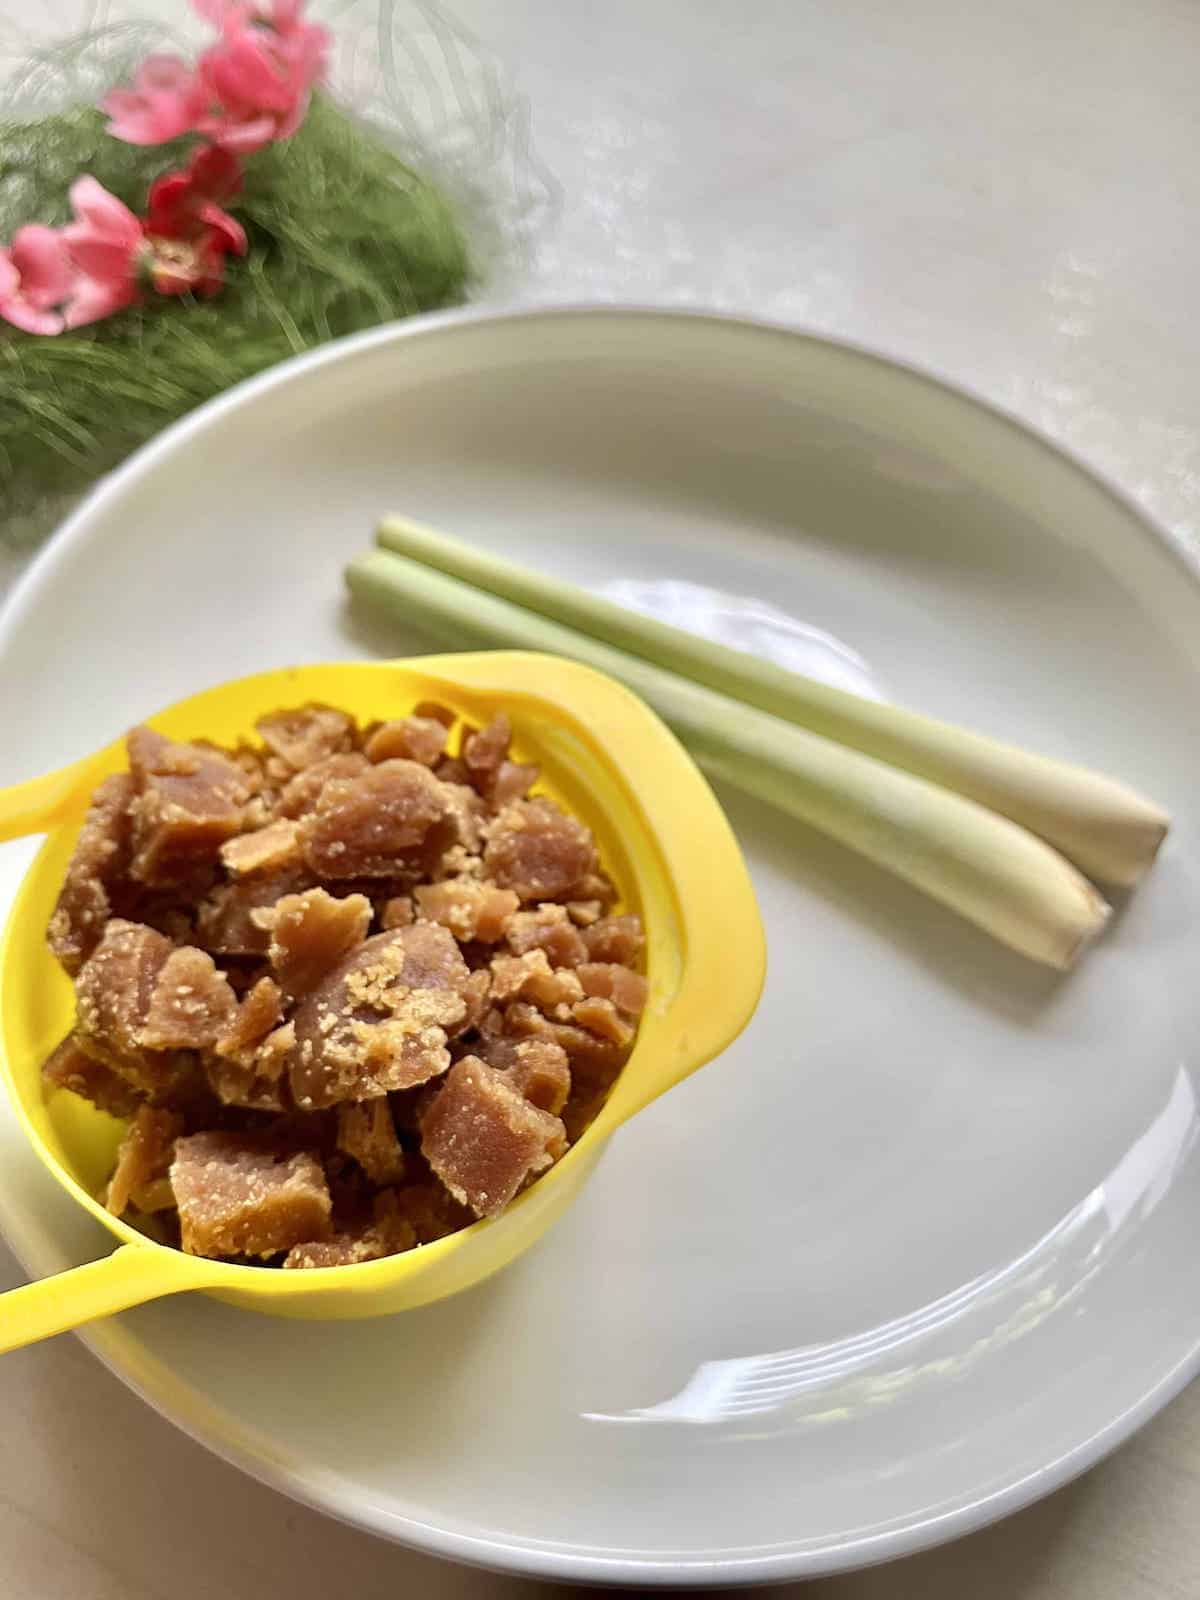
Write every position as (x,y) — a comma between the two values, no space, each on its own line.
(662,835)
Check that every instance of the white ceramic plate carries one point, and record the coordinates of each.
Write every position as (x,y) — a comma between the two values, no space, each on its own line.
(922,1245)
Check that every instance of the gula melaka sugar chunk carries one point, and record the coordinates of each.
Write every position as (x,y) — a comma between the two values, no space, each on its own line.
(70,1067)
(354,987)
(539,851)
(237,1196)
(144,1156)
(188,800)
(360,827)
(307,735)
(367,1133)
(264,850)
(310,933)
(484,1139)
(378,1021)
(547,928)
(420,739)
(113,994)
(539,1070)
(101,856)
(609,980)
(615,939)
(469,908)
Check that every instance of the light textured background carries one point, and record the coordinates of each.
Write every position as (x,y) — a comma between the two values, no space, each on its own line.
(1004,192)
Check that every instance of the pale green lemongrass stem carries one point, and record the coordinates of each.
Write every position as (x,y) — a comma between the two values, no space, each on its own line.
(1105,827)
(988,869)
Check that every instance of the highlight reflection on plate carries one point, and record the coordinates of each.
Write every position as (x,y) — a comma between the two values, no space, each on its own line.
(817,1383)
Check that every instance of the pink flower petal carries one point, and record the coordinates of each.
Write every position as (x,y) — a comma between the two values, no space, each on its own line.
(39,255)
(246,77)
(103,212)
(92,301)
(241,138)
(22,315)
(162,73)
(284,15)
(214,11)
(215,172)
(230,233)
(287,125)
(104,259)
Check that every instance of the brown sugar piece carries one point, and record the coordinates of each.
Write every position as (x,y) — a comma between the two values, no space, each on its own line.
(585,913)
(398,912)
(602,1017)
(484,749)
(531,977)
(190,1004)
(360,826)
(367,1133)
(588,1051)
(539,851)
(144,1155)
(189,799)
(309,734)
(245,1087)
(225,922)
(609,980)
(547,928)
(378,1021)
(113,994)
(436,712)
(485,757)
(484,1139)
(425,1208)
(477,996)
(301,792)
(615,939)
(100,858)
(239,1197)
(259,1011)
(252,1057)
(540,1072)
(414,738)
(387,1233)
(344,1249)
(264,850)
(69,1067)
(467,816)
(470,909)
(512,781)
(310,934)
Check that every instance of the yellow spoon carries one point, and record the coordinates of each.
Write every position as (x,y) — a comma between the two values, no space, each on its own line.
(662,836)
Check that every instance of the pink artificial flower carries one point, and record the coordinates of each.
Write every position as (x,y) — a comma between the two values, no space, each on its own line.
(188,232)
(260,72)
(106,243)
(284,16)
(36,277)
(167,100)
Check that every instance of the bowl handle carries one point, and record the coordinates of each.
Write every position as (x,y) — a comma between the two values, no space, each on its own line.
(34,806)
(130,1276)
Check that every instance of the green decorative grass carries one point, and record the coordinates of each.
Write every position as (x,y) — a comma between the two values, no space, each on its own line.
(343,235)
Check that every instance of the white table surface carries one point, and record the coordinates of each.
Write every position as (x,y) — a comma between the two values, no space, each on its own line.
(1006,192)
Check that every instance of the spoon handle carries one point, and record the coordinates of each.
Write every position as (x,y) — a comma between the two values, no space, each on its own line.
(129,1276)
(34,806)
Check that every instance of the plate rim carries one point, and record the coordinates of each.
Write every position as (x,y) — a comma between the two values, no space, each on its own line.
(153,1382)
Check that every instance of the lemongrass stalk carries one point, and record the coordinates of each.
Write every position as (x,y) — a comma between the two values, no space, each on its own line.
(983,866)
(1104,826)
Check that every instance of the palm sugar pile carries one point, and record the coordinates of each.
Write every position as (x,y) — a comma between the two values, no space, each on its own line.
(352,990)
